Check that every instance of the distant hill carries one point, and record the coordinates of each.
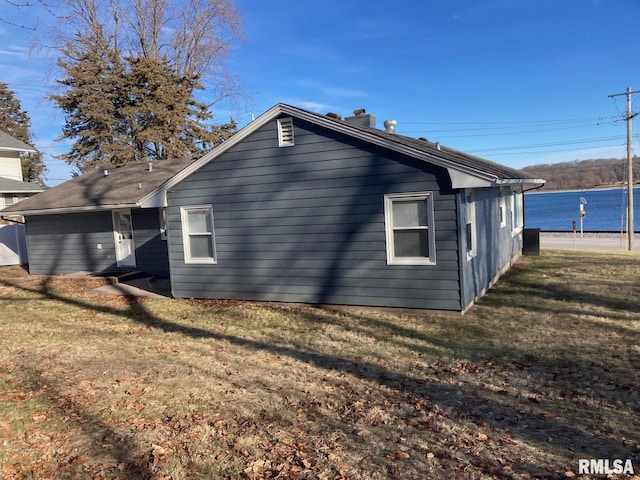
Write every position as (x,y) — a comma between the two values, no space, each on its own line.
(584,174)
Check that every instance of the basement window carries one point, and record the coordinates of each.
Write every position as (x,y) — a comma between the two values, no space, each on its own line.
(285,132)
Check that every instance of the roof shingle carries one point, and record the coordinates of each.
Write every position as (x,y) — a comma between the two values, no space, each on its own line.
(122,186)
(7,142)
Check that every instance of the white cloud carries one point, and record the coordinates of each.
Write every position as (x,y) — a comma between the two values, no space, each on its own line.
(310,105)
(329,89)
(14,51)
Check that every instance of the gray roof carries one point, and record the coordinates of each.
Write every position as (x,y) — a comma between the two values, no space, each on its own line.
(434,149)
(465,170)
(8,185)
(446,153)
(133,185)
(7,142)
(123,187)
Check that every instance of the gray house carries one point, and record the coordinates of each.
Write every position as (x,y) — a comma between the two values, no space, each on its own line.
(106,220)
(298,207)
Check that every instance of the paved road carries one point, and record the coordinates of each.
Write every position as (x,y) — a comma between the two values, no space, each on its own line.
(587,242)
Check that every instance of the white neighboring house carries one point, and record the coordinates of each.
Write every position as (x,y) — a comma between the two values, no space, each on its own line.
(13,189)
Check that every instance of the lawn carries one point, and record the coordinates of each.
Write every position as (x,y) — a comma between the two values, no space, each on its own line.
(542,372)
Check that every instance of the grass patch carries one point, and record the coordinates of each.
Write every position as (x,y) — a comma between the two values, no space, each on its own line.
(541,373)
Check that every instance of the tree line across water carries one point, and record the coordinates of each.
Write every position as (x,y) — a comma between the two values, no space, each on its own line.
(584,174)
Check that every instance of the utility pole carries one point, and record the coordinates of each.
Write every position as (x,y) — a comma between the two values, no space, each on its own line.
(630,231)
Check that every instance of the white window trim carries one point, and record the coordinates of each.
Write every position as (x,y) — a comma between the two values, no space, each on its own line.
(388,222)
(285,132)
(517,212)
(184,210)
(503,208)
(470,219)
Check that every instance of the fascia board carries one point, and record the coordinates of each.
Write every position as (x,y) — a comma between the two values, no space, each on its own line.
(17,149)
(521,181)
(55,211)
(13,190)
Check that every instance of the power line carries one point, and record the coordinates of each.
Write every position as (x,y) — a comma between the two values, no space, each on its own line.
(521,122)
(554,144)
(496,133)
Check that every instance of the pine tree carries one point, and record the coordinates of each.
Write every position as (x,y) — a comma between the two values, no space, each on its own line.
(16,122)
(92,102)
(141,105)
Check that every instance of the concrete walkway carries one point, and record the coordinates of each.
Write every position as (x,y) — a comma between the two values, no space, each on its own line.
(129,285)
(140,287)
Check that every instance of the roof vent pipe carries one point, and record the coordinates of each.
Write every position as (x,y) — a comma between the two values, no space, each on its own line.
(106,172)
(151,166)
(390,126)
(437,145)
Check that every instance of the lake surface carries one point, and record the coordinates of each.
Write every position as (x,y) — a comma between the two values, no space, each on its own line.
(606,210)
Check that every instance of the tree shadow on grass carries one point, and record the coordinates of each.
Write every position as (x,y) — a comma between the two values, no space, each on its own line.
(116,451)
(501,411)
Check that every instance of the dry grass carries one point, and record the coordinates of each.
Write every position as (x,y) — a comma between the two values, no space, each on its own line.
(543,372)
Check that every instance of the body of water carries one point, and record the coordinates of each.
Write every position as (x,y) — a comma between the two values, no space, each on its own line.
(606,210)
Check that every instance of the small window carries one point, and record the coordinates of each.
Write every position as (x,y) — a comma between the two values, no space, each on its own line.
(470,224)
(285,132)
(503,208)
(517,212)
(198,234)
(409,229)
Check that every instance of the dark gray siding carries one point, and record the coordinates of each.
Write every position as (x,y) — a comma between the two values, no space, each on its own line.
(306,224)
(497,246)
(66,243)
(152,256)
(61,244)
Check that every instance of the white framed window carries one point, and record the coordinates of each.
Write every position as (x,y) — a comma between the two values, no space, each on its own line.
(470,224)
(409,227)
(9,199)
(198,234)
(517,211)
(285,132)
(503,208)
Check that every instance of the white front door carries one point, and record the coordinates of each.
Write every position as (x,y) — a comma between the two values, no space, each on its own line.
(123,231)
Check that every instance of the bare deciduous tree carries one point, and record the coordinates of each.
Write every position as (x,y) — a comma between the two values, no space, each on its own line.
(131,70)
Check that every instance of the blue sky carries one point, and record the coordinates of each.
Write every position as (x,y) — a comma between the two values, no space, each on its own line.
(520,82)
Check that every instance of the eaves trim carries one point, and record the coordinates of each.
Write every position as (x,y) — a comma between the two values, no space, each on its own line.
(56,211)
(17,149)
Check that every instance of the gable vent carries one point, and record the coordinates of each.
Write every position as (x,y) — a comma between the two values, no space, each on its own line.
(285,132)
